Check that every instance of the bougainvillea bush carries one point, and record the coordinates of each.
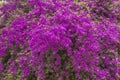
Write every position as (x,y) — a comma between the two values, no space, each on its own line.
(60,40)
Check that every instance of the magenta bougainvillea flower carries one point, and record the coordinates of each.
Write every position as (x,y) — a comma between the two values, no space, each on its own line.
(60,40)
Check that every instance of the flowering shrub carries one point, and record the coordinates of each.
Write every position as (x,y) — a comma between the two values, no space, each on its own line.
(60,40)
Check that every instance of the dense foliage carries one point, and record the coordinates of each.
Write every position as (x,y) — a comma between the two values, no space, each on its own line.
(60,40)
